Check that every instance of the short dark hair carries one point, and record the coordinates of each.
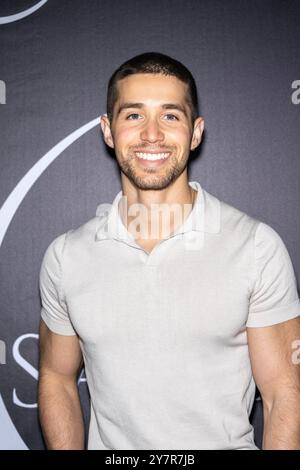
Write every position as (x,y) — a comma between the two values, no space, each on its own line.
(156,63)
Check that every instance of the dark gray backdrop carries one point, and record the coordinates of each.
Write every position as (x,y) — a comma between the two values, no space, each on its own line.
(55,63)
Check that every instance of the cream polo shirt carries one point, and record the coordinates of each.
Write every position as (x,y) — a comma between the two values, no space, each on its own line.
(163,335)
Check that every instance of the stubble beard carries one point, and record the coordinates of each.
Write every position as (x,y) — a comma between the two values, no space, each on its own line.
(151,179)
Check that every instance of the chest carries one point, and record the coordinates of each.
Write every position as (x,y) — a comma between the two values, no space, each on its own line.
(185,298)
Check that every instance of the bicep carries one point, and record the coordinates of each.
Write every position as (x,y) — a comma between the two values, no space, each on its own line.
(59,354)
(271,351)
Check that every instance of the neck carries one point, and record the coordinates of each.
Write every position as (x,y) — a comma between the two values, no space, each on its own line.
(156,214)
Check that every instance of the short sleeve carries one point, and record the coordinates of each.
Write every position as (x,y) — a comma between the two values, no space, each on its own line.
(274,298)
(54,309)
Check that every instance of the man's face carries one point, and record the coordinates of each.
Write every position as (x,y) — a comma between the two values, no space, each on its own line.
(151,130)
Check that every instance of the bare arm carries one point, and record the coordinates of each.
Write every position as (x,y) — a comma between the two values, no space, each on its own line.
(59,405)
(278,379)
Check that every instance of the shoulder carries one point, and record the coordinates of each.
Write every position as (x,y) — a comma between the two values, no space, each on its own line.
(232,220)
(237,225)
(85,233)
(264,236)
(74,239)
(266,245)
(270,245)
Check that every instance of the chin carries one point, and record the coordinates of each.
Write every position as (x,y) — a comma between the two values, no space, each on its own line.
(153,183)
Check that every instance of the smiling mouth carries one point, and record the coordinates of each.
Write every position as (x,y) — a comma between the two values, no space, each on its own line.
(152,156)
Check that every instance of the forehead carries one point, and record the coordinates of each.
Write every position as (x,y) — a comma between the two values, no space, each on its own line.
(156,88)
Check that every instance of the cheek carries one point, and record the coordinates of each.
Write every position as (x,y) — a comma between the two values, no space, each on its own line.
(180,137)
(124,136)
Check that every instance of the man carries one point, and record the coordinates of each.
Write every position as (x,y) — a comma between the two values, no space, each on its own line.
(176,314)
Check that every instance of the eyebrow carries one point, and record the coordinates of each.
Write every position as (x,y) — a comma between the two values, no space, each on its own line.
(167,106)
(177,107)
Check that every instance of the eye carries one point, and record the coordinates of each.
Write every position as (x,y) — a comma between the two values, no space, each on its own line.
(171,117)
(133,116)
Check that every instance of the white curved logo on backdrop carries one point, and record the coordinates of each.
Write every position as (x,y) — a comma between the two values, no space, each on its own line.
(22,14)
(9,436)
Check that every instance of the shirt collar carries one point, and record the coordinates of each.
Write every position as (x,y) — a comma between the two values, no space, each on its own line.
(204,217)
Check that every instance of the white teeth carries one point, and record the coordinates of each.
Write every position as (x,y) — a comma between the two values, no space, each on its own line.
(152,156)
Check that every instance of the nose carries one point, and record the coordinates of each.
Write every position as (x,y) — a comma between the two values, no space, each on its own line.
(152,131)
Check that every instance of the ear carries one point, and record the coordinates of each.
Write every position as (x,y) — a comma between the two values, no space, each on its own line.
(106,130)
(197,132)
